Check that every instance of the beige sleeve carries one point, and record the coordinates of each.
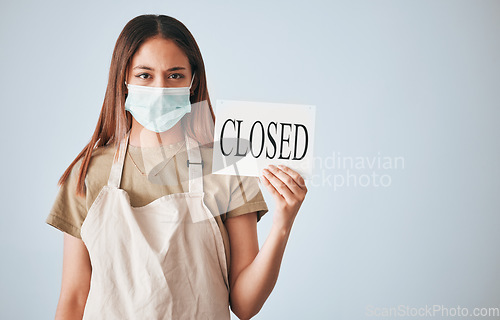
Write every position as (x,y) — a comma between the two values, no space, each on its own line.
(69,210)
(246,197)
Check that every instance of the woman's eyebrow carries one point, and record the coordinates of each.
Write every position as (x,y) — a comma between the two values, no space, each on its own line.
(149,68)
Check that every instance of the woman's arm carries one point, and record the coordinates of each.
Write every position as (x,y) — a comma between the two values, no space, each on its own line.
(75,279)
(254,273)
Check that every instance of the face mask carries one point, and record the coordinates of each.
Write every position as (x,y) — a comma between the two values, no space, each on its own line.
(158,109)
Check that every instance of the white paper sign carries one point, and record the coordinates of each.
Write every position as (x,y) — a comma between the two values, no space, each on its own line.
(251,135)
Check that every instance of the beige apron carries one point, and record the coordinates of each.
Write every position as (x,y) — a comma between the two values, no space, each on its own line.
(164,260)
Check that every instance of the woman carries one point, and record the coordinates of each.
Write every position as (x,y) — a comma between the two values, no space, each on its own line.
(174,241)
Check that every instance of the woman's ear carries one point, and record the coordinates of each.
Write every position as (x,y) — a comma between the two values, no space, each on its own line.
(193,85)
(125,89)
(125,77)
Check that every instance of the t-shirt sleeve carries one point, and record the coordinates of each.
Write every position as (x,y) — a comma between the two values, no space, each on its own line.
(69,210)
(246,197)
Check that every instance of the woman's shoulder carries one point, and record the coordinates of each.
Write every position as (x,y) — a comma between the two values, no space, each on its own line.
(99,159)
(100,165)
(103,152)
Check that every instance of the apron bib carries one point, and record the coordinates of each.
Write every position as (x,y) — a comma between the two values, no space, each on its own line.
(164,260)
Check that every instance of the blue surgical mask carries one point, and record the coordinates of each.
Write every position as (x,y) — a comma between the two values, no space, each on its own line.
(158,109)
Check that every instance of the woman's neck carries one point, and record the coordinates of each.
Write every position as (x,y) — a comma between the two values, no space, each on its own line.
(142,137)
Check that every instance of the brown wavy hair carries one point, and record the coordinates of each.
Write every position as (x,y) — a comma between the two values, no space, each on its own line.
(114,121)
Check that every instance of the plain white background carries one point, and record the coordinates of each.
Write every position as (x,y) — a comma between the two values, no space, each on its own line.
(411,79)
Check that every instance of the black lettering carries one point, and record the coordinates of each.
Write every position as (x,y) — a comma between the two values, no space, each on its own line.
(222,137)
(284,140)
(296,136)
(238,154)
(251,139)
(273,142)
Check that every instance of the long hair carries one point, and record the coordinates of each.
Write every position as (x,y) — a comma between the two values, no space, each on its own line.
(114,122)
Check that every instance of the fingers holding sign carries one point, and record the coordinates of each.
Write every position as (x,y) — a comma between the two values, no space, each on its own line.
(288,189)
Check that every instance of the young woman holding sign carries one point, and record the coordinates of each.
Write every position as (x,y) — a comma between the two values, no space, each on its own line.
(136,248)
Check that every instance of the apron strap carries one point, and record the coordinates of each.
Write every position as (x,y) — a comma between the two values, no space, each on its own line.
(115,175)
(195,165)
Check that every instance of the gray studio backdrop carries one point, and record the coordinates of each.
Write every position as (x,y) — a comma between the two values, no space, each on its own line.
(403,211)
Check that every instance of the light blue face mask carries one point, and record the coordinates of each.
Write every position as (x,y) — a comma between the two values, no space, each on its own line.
(158,109)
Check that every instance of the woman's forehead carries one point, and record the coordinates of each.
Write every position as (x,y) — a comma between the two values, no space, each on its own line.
(159,54)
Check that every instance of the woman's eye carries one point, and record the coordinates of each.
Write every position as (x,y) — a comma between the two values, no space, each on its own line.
(143,76)
(176,76)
